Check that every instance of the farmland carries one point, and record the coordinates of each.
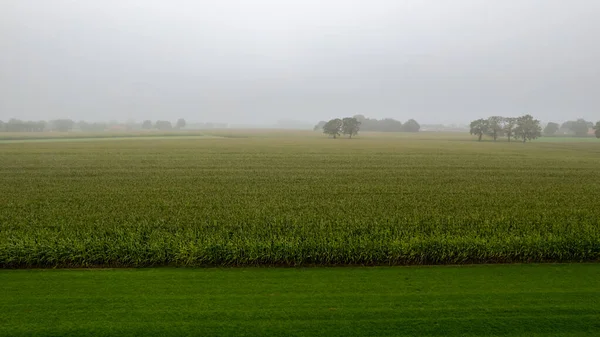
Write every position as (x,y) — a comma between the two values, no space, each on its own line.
(483,300)
(297,199)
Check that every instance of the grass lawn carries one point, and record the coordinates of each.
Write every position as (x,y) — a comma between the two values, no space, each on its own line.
(506,300)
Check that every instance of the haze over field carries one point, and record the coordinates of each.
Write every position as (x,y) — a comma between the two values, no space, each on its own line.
(257,62)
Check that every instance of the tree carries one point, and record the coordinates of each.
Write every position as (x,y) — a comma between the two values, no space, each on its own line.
(147,125)
(597,128)
(350,126)
(1,126)
(319,126)
(580,127)
(551,129)
(411,125)
(387,125)
(180,123)
(479,127)
(528,128)
(495,126)
(163,125)
(509,126)
(63,125)
(333,127)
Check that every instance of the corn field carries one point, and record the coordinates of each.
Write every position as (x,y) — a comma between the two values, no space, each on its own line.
(297,200)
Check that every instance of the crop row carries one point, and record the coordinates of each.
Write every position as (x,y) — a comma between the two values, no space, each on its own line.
(297,201)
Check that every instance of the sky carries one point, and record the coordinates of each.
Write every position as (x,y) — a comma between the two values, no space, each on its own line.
(260,61)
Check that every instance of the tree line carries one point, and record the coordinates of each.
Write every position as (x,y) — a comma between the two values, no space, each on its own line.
(577,128)
(336,127)
(65,125)
(369,124)
(526,128)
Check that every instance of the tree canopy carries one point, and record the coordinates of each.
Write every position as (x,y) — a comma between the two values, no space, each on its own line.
(579,128)
(528,128)
(479,127)
(319,126)
(495,127)
(163,125)
(62,125)
(333,127)
(551,129)
(597,128)
(350,126)
(509,127)
(411,125)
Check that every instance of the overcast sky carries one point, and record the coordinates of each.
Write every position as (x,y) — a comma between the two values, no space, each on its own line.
(259,61)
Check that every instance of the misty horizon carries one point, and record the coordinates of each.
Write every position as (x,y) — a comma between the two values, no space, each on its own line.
(261,62)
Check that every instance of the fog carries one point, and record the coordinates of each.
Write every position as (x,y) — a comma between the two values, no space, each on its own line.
(260,61)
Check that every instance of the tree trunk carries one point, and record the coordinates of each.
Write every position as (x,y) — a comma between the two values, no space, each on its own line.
(480,135)
(495,136)
(509,138)
(524,139)
(334,136)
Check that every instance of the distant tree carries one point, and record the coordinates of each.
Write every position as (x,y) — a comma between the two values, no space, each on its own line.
(147,124)
(1,126)
(180,123)
(62,125)
(163,125)
(387,125)
(333,127)
(360,118)
(411,125)
(40,126)
(528,128)
(479,127)
(597,128)
(319,126)
(579,127)
(495,127)
(509,126)
(551,129)
(384,125)
(14,125)
(350,126)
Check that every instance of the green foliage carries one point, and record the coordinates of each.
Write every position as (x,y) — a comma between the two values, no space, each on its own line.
(495,126)
(147,125)
(411,125)
(480,127)
(528,128)
(387,125)
(579,128)
(319,126)
(551,129)
(509,127)
(297,199)
(333,127)
(17,125)
(163,125)
(350,126)
(62,125)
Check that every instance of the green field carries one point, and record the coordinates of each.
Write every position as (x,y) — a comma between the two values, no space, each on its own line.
(498,300)
(297,198)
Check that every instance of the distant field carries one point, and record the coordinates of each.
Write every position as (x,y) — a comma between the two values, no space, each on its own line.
(297,198)
(499,300)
